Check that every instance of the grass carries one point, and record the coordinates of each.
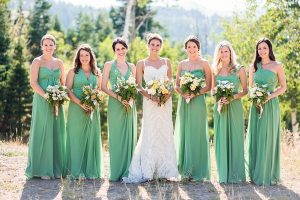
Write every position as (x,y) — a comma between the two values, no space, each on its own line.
(13,182)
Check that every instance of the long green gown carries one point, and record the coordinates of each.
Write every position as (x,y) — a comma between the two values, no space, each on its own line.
(84,150)
(46,154)
(191,136)
(263,138)
(229,136)
(122,130)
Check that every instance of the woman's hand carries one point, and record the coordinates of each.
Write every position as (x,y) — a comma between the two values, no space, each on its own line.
(125,103)
(224,100)
(154,99)
(186,96)
(85,107)
(268,99)
(166,98)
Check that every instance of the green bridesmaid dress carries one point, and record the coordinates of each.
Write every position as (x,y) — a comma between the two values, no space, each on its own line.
(122,130)
(263,138)
(229,136)
(46,154)
(84,149)
(191,136)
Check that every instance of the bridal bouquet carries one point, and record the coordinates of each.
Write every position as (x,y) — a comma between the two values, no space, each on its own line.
(127,90)
(56,95)
(159,88)
(258,95)
(224,89)
(191,84)
(91,97)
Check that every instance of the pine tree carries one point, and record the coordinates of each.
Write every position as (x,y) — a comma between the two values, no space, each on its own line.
(56,25)
(4,32)
(4,58)
(38,26)
(103,27)
(18,95)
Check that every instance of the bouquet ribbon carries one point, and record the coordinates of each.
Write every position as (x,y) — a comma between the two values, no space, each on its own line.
(188,100)
(56,105)
(260,110)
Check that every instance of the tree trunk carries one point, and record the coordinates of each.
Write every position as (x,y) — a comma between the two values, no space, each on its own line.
(129,27)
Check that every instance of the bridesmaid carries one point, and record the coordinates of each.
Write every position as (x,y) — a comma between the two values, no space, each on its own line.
(46,154)
(191,130)
(122,125)
(83,132)
(263,139)
(229,123)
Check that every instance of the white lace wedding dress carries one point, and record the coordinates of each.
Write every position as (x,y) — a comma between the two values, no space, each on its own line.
(154,155)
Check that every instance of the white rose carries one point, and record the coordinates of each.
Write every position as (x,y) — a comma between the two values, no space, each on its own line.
(259,94)
(151,91)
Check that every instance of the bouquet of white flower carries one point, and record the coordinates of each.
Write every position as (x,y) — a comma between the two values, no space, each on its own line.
(191,84)
(56,95)
(127,90)
(258,95)
(159,88)
(224,89)
(91,97)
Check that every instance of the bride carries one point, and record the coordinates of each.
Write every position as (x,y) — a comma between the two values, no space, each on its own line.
(154,156)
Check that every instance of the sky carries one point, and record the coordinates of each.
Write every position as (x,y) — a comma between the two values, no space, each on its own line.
(221,7)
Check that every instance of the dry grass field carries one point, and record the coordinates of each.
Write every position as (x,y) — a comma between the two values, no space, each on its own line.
(13,183)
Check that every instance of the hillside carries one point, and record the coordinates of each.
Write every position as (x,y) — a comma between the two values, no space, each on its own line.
(178,22)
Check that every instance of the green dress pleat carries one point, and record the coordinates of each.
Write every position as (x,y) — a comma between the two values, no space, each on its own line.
(191,136)
(263,137)
(46,153)
(84,149)
(229,136)
(122,130)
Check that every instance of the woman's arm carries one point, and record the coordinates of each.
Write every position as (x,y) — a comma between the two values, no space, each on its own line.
(282,81)
(69,84)
(213,84)
(34,74)
(251,73)
(177,81)
(133,69)
(208,78)
(99,77)
(139,78)
(62,69)
(243,79)
(105,79)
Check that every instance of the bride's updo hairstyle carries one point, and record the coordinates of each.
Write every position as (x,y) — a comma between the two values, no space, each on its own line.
(153,36)
(192,38)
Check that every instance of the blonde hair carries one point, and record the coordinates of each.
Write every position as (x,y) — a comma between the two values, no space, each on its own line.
(48,37)
(217,56)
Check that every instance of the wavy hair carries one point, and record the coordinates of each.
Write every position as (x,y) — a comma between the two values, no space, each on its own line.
(77,63)
(257,58)
(217,63)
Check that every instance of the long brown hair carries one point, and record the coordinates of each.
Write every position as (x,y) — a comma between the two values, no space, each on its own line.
(257,58)
(77,63)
